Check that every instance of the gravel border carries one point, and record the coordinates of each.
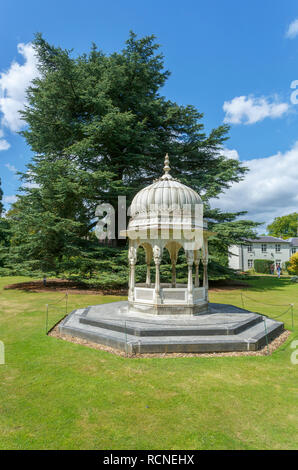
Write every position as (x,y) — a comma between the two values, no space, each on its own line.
(275,344)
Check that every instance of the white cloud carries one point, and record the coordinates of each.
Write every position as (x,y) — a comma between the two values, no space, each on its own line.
(30,185)
(249,109)
(4,145)
(230,153)
(9,199)
(11,168)
(292,30)
(269,189)
(13,85)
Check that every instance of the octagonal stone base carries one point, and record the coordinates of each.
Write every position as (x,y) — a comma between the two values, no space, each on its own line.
(222,328)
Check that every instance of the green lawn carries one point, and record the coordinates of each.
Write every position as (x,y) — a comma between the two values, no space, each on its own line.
(59,395)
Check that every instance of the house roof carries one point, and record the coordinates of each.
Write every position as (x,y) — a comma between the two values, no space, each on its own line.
(268,239)
(293,241)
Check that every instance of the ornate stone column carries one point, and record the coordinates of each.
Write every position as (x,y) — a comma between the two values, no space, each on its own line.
(132,258)
(173,273)
(157,255)
(205,264)
(197,263)
(148,251)
(190,260)
(148,277)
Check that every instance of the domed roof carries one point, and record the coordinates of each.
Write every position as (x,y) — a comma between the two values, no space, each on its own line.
(165,194)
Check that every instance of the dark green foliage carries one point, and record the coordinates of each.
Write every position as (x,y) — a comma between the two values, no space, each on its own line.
(285,226)
(1,196)
(49,223)
(262,266)
(5,234)
(287,267)
(99,128)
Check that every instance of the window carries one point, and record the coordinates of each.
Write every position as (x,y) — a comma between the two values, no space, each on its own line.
(277,248)
(293,251)
(249,248)
(250,263)
(264,247)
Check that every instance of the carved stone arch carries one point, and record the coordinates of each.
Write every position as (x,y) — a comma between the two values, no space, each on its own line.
(148,257)
(148,251)
(173,248)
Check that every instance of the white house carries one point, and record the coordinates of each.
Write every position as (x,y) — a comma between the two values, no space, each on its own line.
(277,250)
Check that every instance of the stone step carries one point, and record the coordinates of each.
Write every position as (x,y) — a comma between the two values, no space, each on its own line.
(136,327)
(250,339)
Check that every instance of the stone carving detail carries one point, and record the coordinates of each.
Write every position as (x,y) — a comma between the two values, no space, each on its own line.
(157,254)
(132,255)
(189,257)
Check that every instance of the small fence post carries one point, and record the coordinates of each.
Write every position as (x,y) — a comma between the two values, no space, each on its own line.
(66,303)
(266,335)
(125,339)
(242,300)
(292,313)
(47,318)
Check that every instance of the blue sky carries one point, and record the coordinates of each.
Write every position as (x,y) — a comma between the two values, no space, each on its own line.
(233,60)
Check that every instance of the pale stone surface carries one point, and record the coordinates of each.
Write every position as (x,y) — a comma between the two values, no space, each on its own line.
(168,215)
(222,328)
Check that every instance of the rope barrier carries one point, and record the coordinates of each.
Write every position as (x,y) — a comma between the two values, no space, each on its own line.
(263,303)
(254,300)
(55,303)
(290,307)
(281,314)
(227,323)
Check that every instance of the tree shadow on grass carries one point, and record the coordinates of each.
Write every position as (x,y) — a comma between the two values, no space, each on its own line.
(266,283)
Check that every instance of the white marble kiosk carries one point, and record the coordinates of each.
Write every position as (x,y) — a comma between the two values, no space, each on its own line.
(168,215)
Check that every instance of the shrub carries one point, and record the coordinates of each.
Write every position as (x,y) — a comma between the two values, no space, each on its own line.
(262,266)
(288,267)
(293,264)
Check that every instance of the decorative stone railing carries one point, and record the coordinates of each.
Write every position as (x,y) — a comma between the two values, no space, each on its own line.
(169,295)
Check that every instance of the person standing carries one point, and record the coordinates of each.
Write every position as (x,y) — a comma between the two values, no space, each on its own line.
(278,270)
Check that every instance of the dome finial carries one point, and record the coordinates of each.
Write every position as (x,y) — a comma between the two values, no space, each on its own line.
(167,168)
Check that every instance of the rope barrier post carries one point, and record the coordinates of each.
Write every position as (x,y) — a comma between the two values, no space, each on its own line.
(125,338)
(292,314)
(266,335)
(242,300)
(55,303)
(47,318)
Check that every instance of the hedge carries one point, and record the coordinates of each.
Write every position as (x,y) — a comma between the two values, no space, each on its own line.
(263,266)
